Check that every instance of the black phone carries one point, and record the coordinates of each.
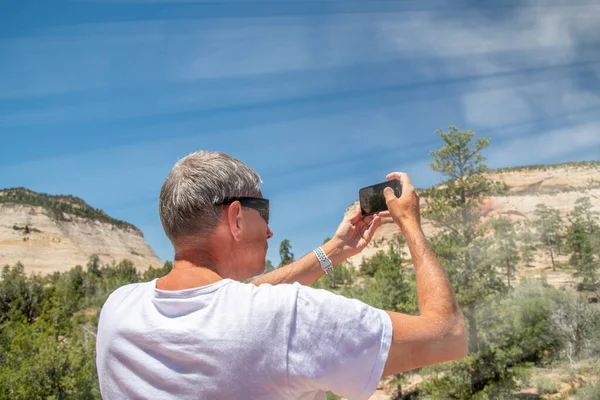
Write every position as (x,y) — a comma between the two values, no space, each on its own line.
(372,199)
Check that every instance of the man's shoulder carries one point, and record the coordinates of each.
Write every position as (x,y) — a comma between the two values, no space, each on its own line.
(131,287)
(125,291)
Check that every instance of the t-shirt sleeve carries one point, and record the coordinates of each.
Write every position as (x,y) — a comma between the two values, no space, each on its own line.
(337,344)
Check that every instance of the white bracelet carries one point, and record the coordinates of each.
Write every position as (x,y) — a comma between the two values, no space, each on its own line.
(325,262)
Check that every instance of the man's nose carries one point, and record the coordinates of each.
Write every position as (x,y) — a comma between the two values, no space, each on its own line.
(269,232)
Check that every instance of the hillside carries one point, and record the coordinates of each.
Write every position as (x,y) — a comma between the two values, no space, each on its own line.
(49,233)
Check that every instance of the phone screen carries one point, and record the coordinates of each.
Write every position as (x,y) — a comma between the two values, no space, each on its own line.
(372,199)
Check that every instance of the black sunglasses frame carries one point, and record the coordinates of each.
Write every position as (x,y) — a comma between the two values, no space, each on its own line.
(259,204)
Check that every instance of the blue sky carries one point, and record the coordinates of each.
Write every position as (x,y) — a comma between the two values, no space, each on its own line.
(100,98)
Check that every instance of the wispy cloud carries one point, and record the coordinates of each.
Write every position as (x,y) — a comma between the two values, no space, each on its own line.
(494,108)
(528,37)
(555,144)
(467,33)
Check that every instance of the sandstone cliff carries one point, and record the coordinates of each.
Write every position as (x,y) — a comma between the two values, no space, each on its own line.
(55,233)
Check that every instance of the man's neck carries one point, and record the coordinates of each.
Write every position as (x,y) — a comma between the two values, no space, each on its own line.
(187,275)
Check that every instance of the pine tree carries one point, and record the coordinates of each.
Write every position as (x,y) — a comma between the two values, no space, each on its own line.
(453,207)
(285,252)
(527,240)
(582,241)
(507,252)
(389,285)
(549,226)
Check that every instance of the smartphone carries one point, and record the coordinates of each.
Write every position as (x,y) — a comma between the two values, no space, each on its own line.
(372,199)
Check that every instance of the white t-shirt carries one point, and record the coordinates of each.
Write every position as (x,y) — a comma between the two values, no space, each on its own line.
(231,340)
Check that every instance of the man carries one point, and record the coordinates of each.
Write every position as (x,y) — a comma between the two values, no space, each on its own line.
(199,333)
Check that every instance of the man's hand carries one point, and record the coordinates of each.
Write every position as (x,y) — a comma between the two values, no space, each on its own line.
(405,209)
(355,232)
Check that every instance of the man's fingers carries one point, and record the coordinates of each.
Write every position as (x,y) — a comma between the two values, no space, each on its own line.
(402,177)
(364,221)
(390,198)
(384,214)
(355,215)
(389,195)
(372,227)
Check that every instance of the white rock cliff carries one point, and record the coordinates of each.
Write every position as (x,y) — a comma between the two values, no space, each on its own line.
(32,235)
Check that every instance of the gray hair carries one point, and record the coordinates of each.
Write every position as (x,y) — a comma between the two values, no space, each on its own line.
(195,184)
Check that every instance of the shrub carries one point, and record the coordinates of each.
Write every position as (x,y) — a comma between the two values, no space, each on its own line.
(546,386)
(590,391)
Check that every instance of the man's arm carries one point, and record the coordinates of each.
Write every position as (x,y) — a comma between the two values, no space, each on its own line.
(438,334)
(352,235)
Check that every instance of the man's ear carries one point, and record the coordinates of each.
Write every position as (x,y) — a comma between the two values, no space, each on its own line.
(234,220)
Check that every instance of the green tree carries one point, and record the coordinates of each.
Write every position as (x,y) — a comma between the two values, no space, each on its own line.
(394,255)
(49,360)
(507,252)
(577,324)
(285,252)
(386,281)
(342,276)
(590,391)
(20,294)
(454,207)
(517,331)
(47,329)
(549,226)
(118,275)
(369,266)
(152,273)
(584,213)
(393,288)
(527,240)
(582,240)
(93,265)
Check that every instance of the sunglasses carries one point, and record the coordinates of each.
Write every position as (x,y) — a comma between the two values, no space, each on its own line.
(257,203)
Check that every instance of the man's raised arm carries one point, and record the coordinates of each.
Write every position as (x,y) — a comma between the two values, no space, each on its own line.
(438,334)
